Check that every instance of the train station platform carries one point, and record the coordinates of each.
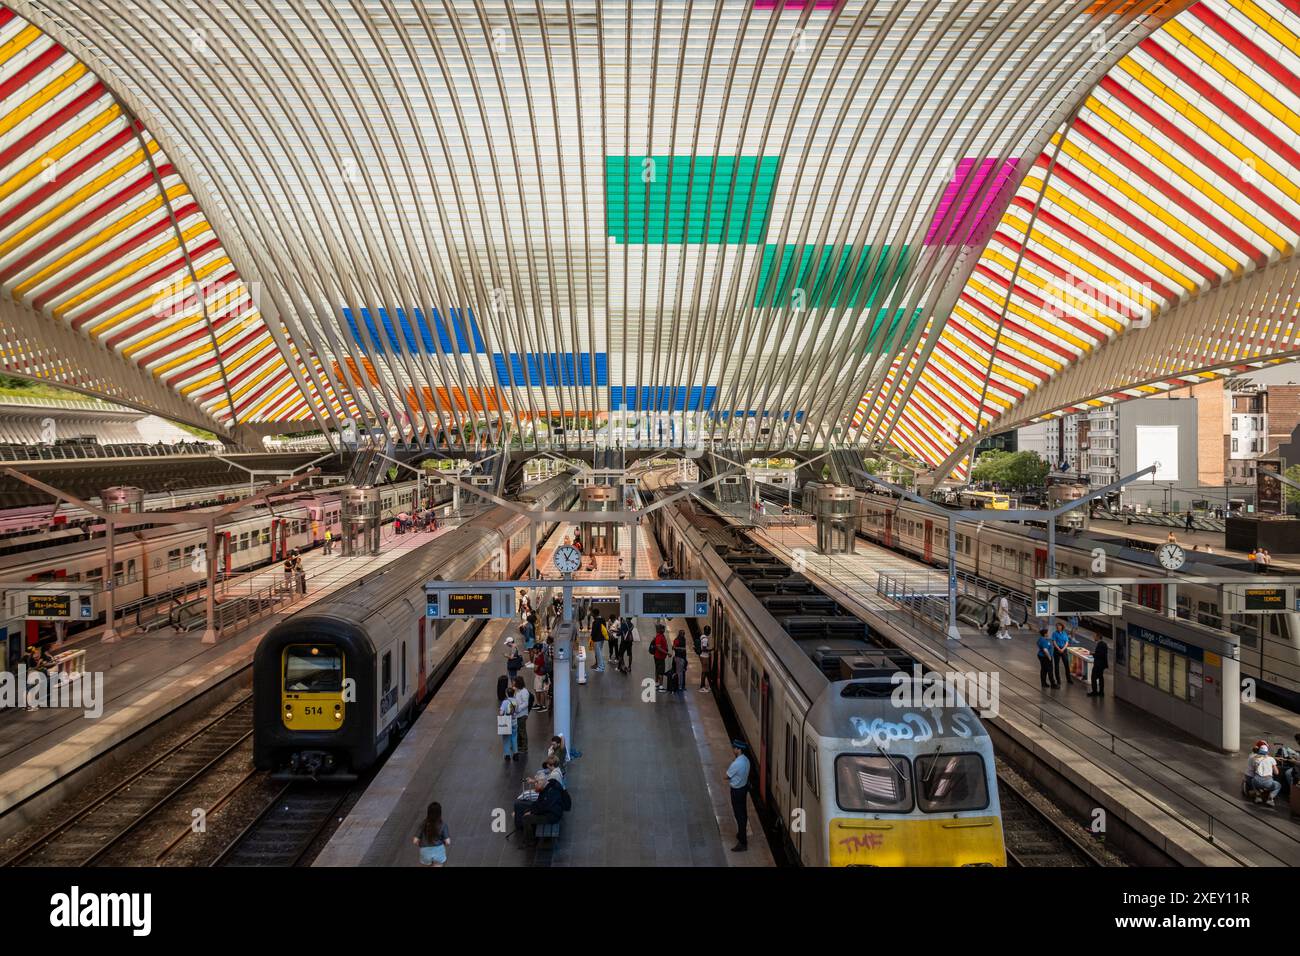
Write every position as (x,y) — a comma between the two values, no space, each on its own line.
(1181,796)
(649,788)
(146,678)
(1208,541)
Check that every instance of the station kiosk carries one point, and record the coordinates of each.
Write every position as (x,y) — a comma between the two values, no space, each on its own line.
(835,508)
(360,521)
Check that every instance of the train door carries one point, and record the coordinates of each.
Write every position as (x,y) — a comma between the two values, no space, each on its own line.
(279,539)
(422,670)
(929,538)
(765,737)
(888,533)
(1152,596)
(1040,563)
(222,557)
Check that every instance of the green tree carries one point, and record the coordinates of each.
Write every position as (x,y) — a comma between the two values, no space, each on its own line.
(1292,495)
(1020,469)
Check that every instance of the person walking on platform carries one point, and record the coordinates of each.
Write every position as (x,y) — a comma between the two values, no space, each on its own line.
(507,728)
(679,662)
(1045,659)
(329,541)
(1004,619)
(514,660)
(1187,521)
(598,634)
(539,677)
(287,567)
(659,650)
(434,837)
(1100,664)
(627,637)
(738,780)
(299,573)
(706,658)
(1060,654)
(523,702)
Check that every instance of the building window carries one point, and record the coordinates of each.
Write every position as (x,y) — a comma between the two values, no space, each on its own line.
(1234,441)
(1234,424)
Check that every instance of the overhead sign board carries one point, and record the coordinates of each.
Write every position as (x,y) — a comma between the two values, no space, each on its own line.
(1260,598)
(667,599)
(485,600)
(1096,600)
(49,607)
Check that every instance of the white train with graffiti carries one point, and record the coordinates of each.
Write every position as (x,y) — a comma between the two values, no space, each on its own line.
(863,762)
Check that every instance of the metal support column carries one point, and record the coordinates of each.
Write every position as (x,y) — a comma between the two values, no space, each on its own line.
(953,633)
(212,633)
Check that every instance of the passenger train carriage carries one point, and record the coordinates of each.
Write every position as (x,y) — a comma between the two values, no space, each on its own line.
(856,775)
(1012,556)
(155,561)
(335,685)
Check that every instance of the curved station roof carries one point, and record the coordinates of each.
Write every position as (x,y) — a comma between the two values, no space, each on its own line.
(785,222)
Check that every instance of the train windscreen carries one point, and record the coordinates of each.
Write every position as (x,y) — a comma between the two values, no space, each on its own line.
(873,783)
(949,782)
(313,669)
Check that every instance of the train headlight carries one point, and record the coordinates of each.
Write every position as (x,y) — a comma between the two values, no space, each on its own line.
(288,711)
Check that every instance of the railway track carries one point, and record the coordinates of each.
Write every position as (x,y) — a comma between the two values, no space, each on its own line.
(287,828)
(1036,833)
(153,795)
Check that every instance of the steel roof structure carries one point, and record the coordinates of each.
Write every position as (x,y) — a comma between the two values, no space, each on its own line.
(793,221)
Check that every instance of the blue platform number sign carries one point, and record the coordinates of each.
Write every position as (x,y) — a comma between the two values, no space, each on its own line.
(431,605)
(85,610)
(1040,608)
(701,603)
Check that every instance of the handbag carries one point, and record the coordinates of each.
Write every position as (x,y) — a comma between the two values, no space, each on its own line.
(503,725)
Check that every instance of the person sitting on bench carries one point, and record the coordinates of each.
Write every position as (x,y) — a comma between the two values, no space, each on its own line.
(546,808)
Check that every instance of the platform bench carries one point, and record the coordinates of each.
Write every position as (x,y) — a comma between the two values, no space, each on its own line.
(546,831)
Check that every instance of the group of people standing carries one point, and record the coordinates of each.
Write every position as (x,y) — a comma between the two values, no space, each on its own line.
(1054,657)
(295,575)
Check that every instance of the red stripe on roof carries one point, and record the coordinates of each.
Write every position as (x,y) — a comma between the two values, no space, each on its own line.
(1240,41)
(104,209)
(49,125)
(46,57)
(1216,96)
(66,175)
(119,251)
(166,270)
(1204,156)
(1161,183)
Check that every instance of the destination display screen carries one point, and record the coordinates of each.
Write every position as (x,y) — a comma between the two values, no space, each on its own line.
(1266,599)
(664,602)
(469,604)
(49,605)
(1078,602)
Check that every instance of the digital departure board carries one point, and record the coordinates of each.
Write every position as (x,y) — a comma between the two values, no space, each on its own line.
(1078,602)
(1266,599)
(667,603)
(49,605)
(469,604)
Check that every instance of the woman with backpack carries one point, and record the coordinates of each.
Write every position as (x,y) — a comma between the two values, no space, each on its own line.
(627,634)
(679,662)
(507,727)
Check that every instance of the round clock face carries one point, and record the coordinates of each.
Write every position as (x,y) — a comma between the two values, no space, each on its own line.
(567,559)
(1171,557)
